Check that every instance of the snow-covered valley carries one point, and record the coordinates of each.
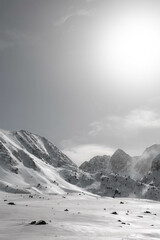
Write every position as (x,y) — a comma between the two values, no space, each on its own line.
(88,217)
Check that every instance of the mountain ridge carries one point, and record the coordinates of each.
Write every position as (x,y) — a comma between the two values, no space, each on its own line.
(30,163)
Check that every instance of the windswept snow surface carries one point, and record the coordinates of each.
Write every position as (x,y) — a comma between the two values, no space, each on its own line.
(88,217)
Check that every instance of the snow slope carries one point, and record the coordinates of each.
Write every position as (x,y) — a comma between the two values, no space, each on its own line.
(144,162)
(30,163)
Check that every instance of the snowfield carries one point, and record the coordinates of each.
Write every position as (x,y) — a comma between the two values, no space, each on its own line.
(44,195)
(88,217)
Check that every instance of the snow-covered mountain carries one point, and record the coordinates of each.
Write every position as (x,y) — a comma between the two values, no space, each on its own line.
(144,162)
(117,176)
(119,163)
(29,162)
(153,176)
(125,176)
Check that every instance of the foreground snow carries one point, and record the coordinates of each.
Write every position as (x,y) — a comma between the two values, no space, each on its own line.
(88,217)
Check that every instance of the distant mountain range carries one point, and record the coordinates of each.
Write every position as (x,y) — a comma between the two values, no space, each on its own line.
(123,164)
(30,163)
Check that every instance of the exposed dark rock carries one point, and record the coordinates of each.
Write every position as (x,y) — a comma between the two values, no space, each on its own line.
(156,163)
(33,223)
(147,212)
(96,164)
(115,213)
(11,203)
(120,162)
(40,222)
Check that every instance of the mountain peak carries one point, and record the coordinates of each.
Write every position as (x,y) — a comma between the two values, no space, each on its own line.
(120,152)
(152,148)
(120,161)
(96,164)
(29,159)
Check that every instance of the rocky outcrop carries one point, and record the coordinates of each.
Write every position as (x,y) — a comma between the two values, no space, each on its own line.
(96,164)
(120,163)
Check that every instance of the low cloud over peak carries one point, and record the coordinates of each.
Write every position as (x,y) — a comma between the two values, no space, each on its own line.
(106,135)
(82,153)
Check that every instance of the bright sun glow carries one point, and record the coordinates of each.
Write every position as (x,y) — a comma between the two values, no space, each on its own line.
(128,49)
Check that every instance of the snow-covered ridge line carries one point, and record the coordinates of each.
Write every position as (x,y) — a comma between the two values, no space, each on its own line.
(30,163)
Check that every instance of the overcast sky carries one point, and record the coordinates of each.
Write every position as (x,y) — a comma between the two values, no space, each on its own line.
(83,73)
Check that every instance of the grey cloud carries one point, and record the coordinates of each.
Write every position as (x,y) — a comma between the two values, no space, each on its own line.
(11,37)
(81,153)
(64,19)
(96,128)
(127,131)
(51,78)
